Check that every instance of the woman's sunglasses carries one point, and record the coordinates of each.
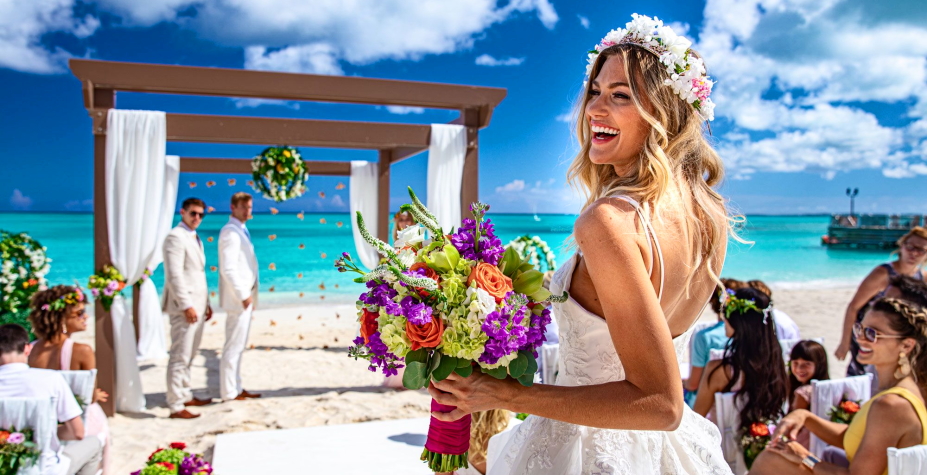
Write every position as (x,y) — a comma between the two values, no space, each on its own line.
(870,334)
(911,248)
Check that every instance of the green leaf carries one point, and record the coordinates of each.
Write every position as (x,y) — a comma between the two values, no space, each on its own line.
(518,366)
(498,373)
(434,361)
(527,379)
(420,355)
(465,372)
(532,362)
(445,368)
(463,362)
(415,376)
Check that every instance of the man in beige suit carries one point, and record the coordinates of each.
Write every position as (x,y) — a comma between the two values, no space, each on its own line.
(186,300)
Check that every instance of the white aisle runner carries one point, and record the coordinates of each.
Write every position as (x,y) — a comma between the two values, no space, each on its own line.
(380,447)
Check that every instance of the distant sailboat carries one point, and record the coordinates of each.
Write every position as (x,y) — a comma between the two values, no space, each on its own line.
(536,218)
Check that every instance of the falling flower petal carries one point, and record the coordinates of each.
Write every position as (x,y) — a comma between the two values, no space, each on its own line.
(214,322)
(322,286)
(209,239)
(299,275)
(300,317)
(272,237)
(212,294)
(302,246)
(274,210)
(231,182)
(192,184)
(301,295)
(337,315)
(272,266)
(301,215)
(252,346)
(250,182)
(322,221)
(323,255)
(336,286)
(300,337)
(271,289)
(210,209)
(321,297)
(273,323)
(213,268)
(321,194)
(339,186)
(339,224)
(210,184)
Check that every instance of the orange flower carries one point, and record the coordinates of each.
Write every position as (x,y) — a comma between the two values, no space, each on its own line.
(369,324)
(489,278)
(850,407)
(758,429)
(3,436)
(429,272)
(425,336)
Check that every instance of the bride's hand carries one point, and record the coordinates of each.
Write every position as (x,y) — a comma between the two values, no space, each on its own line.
(790,425)
(477,392)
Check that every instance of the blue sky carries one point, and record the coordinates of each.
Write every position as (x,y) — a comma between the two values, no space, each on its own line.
(812,96)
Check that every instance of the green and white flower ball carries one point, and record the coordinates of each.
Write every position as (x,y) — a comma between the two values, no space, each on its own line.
(279,173)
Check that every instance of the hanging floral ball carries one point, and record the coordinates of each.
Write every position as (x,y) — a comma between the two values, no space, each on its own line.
(279,173)
(535,250)
(23,267)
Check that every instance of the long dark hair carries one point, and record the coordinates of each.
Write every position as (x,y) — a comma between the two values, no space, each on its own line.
(754,354)
(808,350)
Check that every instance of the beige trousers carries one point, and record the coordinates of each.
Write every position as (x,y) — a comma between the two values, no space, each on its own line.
(185,342)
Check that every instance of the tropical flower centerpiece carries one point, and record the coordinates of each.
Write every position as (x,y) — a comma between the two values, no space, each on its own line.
(844,411)
(23,267)
(106,285)
(449,302)
(17,450)
(279,173)
(175,460)
(755,440)
(531,248)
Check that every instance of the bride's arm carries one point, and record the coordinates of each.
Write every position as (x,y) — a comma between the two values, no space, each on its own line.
(650,398)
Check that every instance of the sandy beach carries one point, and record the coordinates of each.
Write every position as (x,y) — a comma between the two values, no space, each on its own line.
(299,363)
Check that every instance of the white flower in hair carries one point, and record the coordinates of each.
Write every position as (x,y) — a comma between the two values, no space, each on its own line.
(687,74)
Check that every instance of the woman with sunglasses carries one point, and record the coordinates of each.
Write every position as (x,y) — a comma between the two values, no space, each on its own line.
(57,313)
(893,338)
(912,255)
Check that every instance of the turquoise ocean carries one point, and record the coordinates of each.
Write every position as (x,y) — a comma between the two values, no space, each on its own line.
(786,250)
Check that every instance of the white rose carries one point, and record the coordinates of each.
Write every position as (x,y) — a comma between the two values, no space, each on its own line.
(407,257)
(479,303)
(410,236)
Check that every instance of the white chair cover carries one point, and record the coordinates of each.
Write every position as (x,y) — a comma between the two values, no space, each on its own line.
(715,354)
(727,416)
(788,344)
(826,394)
(152,342)
(909,461)
(699,326)
(136,177)
(37,414)
(81,384)
(550,360)
(363,191)
(445,171)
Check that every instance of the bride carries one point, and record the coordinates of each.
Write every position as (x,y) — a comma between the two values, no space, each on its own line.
(648,171)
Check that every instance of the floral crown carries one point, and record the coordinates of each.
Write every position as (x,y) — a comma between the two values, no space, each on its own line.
(687,74)
(60,303)
(732,304)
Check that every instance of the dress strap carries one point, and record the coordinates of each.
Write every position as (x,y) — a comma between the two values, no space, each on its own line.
(891,269)
(919,407)
(651,239)
(67,349)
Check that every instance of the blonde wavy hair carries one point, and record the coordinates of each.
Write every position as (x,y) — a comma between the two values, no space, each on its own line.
(916,231)
(675,150)
(483,426)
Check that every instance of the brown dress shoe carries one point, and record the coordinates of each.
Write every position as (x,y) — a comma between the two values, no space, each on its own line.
(197,402)
(240,397)
(249,395)
(184,414)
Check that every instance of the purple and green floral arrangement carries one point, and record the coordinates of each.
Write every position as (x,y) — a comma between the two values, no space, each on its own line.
(175,460)
(17,450)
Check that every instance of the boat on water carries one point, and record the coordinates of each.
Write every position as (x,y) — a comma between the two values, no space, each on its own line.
(869,231)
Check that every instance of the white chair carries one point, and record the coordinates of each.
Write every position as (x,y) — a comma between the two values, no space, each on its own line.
(827,394)
(550,359)
(81,384)
(37,414)
(909,461)
(787,345)
(716,354)
(727,416)
(699,326)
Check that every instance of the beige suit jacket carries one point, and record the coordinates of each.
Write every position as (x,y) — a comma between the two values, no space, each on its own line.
(184,274)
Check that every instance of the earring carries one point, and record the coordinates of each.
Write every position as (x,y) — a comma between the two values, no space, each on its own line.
(64,329)
(904,366)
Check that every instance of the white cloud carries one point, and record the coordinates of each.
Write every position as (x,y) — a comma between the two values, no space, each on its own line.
(511,187)
(79,205)
(19,201)
(338,202)
(22,25)
(791,76)
(487,60)
(249,103)
(583,21)
(567,117)
(542,197)
(315,58)
(404,110)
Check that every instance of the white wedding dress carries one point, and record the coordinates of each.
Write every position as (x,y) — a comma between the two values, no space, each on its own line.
(587,356)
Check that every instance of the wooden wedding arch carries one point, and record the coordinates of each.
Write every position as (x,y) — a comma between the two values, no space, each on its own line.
(101,81)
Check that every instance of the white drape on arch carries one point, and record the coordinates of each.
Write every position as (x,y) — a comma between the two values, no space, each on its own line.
(136,177)
(152,342)
(445,171)
(364,185)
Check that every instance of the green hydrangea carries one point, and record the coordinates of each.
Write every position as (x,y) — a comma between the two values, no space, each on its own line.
(454,288)
(463,337)
(158,470)
(393,333)
(174,456)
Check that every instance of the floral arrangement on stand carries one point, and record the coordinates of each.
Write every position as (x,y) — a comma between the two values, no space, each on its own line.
(279,173)
(17,450)
(755,440)
(844,411)
(449,302)
(23,267)
(175,460)
(106,284)
(530,248)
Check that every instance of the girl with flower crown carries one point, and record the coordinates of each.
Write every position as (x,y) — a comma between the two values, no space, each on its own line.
(649,174)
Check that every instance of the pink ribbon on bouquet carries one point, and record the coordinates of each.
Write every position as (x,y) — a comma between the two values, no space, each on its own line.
(450,438)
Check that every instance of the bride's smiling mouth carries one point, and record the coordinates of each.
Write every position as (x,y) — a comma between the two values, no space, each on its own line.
(602,134)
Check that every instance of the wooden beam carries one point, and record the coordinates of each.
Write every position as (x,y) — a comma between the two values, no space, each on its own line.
(243,166)
(157,78)
(470,186)
(103,322)
(383,217)
(295,132)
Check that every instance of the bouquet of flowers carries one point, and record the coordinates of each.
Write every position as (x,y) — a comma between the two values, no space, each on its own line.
(17,450)
(174,460)
(442,303)
(279,173)
(755,440)
(844,411)
(23,267)
(106,285)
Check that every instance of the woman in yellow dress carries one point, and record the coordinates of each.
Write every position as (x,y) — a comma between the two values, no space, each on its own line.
(892,337)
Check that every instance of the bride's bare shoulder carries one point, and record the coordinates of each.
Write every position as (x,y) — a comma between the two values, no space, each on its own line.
(605,217)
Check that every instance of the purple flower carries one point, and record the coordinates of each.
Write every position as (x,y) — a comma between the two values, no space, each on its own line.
(490,247)
(137,472)
(108,292)
(508,332)
(95,292)
(380,357)
(194,465)
(416,312)
(112,285)
(380,294)
(16,438)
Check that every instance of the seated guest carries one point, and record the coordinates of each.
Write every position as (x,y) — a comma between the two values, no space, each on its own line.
(711,338)
(17,379)
(807,362)
(752,364)
(786,328)
(57,313)
(893,338)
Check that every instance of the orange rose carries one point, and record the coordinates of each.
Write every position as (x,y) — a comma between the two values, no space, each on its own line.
(3,436)
(489,278)
(429,272)
(369,324)
(758,429)
(850,407)
(427,335)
